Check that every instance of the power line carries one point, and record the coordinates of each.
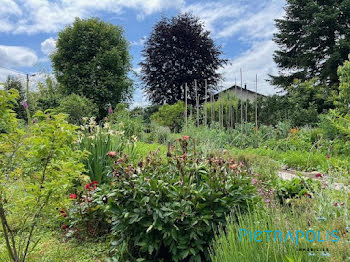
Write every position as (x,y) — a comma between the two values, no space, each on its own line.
(18,72)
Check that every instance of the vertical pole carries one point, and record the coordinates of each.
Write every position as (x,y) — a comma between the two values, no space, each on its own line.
(236,120)
(197,101)
(246,106)
(256,102)
(241,107)
(205,104)
(27,88)
(186,106)
(212,109)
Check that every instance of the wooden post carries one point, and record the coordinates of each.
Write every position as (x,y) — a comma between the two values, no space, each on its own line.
(205,104)
(241,109)
(236,119)
(256,102)
(246,106)
(197,101)
(186,106)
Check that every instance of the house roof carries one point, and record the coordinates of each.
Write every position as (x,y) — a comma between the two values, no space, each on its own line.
(239,88)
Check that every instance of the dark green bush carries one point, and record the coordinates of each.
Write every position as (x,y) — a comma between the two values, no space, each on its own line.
(171,116)
(168,209)
(77,107)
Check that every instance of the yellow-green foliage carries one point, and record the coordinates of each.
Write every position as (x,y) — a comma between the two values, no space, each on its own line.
(37,167)
(343,100)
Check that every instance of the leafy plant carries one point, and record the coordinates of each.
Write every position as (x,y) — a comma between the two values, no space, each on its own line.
(296,187)
(37,166)
(171,116)
(98,141)
(77,107)
(169,209)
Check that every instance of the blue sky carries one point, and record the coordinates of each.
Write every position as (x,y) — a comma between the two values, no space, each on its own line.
(244,29)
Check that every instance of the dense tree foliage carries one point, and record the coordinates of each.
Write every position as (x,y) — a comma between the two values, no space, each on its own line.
(92,60)
(342,102)
(179,51)
(313,39)
(15,83)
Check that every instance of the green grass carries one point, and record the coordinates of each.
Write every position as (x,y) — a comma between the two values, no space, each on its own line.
(54,248)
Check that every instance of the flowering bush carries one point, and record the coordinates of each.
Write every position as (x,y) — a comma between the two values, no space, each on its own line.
(85,218)
(170,208)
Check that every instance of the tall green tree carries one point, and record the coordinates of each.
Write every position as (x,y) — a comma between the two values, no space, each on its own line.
(179,51)
(92,60)
(342,101)
(15,83)
(313,39)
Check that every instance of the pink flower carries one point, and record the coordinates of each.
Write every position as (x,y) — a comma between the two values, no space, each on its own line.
(110,110)
(319,175)
(185,137)
(73,196)
(268,200)
(112,154)
(254,181)
(335,204)
(25,105)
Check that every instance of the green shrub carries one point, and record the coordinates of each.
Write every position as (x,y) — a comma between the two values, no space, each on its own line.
(296,187)
(77,107)
(171,116)
(98,141)
(168,210)
(122,119)
(159,134)
(37,166)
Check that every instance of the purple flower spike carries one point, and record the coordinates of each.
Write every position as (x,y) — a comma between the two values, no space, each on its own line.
(110,110)
(25,105)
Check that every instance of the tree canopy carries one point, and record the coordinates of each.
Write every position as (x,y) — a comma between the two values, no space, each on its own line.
(313,39)
(92,60)
(179,51)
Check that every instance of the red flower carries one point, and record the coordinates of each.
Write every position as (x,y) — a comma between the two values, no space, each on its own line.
(336,204)
(112,154)
(64,227)
(64,214)
(61,211)
(184,156)
(319,175)
(87,186)
(94,182)
(328,156)
(73,196)
(185,137)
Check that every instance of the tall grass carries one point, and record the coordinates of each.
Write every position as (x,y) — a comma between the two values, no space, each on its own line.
(227,246)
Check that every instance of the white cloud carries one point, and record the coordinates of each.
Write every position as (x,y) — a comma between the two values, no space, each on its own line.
(33,16)
(213,13)
(256,60)
(139,42)
(17,56)
(255,25)
(48,46)
(249,19)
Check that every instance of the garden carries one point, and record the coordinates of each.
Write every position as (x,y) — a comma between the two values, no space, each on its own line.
(85,177)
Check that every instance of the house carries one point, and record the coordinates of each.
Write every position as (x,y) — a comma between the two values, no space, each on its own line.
(240,93)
